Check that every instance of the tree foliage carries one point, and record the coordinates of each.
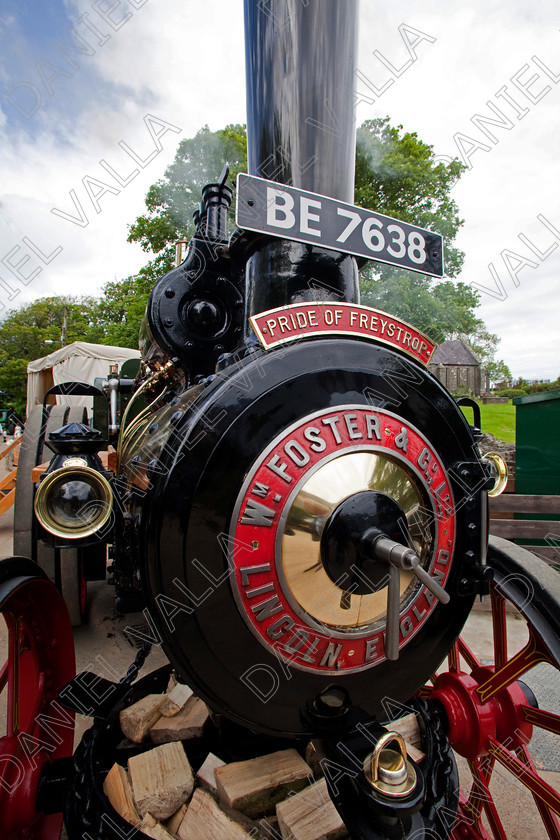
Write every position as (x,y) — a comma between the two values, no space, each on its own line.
(36,330)
(170,204)
(396,174)
(120,311)
(172,200)
(13,385)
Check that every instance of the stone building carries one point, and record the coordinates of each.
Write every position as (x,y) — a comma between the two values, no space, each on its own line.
(456,366)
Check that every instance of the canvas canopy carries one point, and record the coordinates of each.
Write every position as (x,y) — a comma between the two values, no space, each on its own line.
(77,362)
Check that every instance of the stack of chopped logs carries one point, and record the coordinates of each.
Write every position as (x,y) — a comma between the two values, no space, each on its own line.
(272,797)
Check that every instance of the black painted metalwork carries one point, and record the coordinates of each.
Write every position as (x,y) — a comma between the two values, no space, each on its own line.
(218,404)
(195,311)
(301,131)
(216,436)
(345,553)
(300,60)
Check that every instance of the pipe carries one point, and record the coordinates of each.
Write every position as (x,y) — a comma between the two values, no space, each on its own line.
(300,60)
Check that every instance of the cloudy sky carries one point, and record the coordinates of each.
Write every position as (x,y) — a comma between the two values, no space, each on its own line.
(85,131)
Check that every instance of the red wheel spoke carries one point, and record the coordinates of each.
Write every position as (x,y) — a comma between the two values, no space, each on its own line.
(542,719)
(532,654)
(496,826)
(4,675)
(466,826)
(479,791)
(490,721)
(549,820)
(499,628)
(453,658)
(480,799)
(527,776)
(12,726)
(25,681)
(468,655)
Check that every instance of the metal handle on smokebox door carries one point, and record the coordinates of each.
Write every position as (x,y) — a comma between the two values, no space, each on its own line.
(399,557)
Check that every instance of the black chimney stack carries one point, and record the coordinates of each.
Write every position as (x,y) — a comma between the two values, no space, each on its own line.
(301,57)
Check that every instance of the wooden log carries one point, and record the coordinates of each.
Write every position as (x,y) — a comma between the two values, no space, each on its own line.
(407,726)
(173,823)
(314,755)
(154,829)
(175,700)
(255,786)
(161,779)
(205,821)
(246,823)
(550,554)
(117,790)
(188,723)
(205,776)
(137,720)
(310,815)
(268,829)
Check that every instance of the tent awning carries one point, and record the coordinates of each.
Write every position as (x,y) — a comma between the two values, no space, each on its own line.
(76,362)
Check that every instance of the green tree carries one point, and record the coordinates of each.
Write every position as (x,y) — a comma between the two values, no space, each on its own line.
(13,386)
(36,330)
(498,372)
(484,345)
(396,174)
(170,204)
(172,200)
(120,311)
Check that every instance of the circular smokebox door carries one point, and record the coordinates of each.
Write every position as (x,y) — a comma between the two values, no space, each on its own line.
(255,573)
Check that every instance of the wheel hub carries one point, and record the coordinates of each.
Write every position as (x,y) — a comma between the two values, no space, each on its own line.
(472,722)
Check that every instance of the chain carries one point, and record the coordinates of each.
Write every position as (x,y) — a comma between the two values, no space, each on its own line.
(133,669)
(442,780)
(85,814)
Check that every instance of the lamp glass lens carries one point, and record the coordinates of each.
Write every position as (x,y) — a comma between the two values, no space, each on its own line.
(74,504)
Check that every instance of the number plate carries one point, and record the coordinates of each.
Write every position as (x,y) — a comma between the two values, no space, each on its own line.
(280,210)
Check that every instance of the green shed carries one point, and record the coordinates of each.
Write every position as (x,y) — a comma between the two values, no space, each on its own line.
(538,444)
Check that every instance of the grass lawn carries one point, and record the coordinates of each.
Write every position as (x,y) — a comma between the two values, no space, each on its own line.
(498,420)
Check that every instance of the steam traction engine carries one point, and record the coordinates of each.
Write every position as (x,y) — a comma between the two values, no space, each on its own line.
(298,502)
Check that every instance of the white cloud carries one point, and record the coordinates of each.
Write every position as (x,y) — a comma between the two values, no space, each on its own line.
(477,51)
(184,62)
(134,74)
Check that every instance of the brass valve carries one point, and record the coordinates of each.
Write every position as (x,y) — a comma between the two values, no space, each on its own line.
(387,770)
(499,473)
